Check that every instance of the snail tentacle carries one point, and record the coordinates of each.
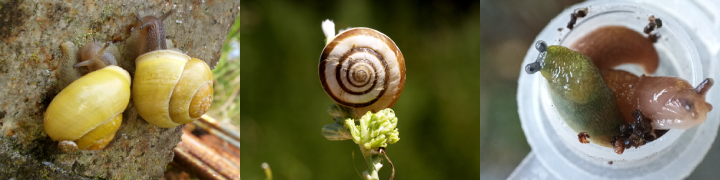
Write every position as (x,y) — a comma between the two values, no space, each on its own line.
(95,57)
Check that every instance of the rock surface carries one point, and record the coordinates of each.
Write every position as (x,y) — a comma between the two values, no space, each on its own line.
(33,69)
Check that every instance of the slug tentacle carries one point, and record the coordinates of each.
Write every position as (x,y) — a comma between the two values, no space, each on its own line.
(534,67)
(704,86)
(541,46)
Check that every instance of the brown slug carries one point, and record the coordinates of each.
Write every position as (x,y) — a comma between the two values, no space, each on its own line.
(610,46)
(671,103)
(668,101)
(148,34)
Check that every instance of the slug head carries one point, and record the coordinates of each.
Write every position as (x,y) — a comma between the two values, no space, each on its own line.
(693,102)
(687,108)
(569,73)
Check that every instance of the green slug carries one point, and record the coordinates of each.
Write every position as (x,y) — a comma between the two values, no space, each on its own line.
(579,93)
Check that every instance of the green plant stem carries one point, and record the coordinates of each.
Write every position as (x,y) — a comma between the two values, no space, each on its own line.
(372,132)
(268,172)
(374,161)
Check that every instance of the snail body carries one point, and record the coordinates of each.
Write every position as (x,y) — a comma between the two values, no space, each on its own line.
(148,34)
(170,88)
(361,68)
(88,112)
(579,93)
(95,56)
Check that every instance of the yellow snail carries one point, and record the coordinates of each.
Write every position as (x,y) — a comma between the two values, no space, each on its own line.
(361,68)
(88,112)
(169,87)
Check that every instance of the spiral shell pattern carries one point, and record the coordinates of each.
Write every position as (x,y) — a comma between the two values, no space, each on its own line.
(171,89)
(364,69)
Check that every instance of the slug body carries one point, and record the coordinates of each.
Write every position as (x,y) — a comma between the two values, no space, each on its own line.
(670,102)
(148,34)
(361,68)
(89,111)
(610,46)
(579,93)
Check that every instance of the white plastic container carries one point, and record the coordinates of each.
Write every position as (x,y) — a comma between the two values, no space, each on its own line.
(688,49)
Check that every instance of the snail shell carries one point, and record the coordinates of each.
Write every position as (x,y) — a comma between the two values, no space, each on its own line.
(88,112)
(363,69)
(170,88)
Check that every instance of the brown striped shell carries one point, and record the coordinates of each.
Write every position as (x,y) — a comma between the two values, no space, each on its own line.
(363,69)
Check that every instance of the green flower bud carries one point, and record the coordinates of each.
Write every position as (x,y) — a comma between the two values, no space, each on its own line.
(375,130)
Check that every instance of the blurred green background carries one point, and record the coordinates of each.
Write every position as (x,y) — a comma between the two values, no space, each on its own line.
(226,100)
(283,105)
(508,30)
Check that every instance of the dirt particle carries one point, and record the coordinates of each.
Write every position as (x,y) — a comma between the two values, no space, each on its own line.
(48,97)
(11,18)
(57,12)
(583,137)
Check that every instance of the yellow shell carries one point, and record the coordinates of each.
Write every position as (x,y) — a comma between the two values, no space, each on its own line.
(89,110)
(170,88)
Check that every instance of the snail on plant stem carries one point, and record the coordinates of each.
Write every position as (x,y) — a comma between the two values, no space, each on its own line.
(363,71)
(361,68)
(88,112)
(169,87)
